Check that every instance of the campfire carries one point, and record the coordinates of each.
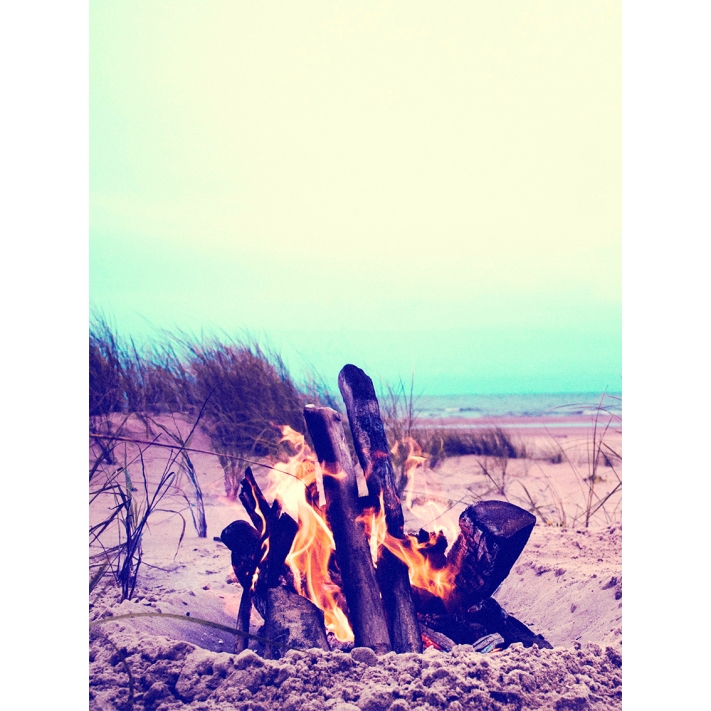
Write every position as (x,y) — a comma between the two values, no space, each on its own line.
(328,562)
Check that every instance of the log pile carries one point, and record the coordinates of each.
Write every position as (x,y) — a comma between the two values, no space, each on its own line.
(386,612)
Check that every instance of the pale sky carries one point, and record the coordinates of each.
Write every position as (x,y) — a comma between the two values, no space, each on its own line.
(413,185)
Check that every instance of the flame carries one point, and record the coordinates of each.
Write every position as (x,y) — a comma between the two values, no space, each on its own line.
(438,581)
(375,528)
(298,485)
(414,459)
(265,546)
(422,573)
(313,545)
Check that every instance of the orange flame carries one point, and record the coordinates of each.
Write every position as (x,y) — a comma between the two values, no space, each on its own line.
(313,545)
(438,581)
(414,460)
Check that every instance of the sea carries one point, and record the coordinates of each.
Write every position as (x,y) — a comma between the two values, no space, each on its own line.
(530,409)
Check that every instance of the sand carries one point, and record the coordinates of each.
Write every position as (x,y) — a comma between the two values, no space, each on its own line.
(567,586)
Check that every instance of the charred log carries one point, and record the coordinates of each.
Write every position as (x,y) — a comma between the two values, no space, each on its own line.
(436,639)
(276,527)
(371,446)
(456,627)
(492,617)
(493,534)
(253,501)
(426,603)
(245,546)
(365,606)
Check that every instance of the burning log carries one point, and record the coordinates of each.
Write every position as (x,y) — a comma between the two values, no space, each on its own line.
(289,619)
(493,534)
(352,550)
(245,545)
(437,639)
(371,446)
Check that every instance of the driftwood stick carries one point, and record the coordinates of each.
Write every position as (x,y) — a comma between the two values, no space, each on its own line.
(493,534)
(371,443)
(367,615)
(371,446)
(245,546)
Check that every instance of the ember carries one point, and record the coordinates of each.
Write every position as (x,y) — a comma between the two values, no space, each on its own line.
(320,557)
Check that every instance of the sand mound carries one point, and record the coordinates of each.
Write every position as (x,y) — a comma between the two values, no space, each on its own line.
(167,675)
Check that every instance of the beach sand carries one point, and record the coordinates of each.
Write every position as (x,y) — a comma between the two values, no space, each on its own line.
(566,585)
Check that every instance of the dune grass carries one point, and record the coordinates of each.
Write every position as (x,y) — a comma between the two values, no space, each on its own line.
(494,448)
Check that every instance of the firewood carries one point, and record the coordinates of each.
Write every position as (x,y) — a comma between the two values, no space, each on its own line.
(275,526)
(492,536)
(394,582)
(371,446)
(287,616)
(253,500)
(371,443)
(490,615)
(245,546)
(440,640)
(292,621)
(433,547)
(360,587)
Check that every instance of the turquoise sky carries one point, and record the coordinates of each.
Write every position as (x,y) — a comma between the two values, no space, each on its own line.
(403,186)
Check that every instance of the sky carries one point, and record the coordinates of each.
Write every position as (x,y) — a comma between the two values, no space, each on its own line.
(410,187)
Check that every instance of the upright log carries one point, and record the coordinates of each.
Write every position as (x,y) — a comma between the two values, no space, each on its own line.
(365,606)
(371,447)
(371,443)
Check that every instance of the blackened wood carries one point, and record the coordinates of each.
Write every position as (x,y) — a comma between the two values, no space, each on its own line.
(492,536)
(371,443)
(245,545)
(440,640)
(426,602)
(371,446)
(458,628)
(282,530)
(291,620)
(277,529)
(365,606)
(394,582)
(491,616)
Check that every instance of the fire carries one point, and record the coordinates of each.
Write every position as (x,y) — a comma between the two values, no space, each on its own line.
(265,547)
(299,479)
(438,581)
(375,527)
(414,459)
(422,573)
(298,485)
